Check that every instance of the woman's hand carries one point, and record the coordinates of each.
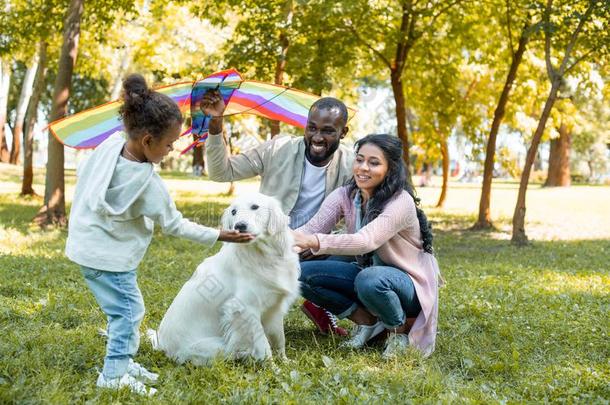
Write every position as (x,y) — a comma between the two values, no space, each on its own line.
(235,236)
(303,241)
(212,103)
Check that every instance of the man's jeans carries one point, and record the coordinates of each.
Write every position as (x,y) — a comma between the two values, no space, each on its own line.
(341,287)
(121,300)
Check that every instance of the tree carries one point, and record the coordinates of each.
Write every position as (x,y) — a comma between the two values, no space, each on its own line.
(566,115)
(593,132)
(529,27)
(5,41)
(447,86)
(282,58)
(5,81)
(563,26)
(261,39)
(101,14)
(22,105)
(24,23)
(389,31)
(198,158)
(285,42)
(30,121)
(54,209)
(559,158)
(141,36)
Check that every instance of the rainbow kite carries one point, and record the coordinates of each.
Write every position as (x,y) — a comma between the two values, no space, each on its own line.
(89,128)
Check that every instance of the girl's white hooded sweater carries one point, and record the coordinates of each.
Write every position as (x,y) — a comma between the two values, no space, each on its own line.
(115,206)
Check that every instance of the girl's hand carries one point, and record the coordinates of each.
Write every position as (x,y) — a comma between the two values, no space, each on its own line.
(235,236)
(303,241)
(212,103)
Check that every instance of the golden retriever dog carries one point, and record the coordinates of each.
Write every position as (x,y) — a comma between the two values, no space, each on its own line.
(234,304)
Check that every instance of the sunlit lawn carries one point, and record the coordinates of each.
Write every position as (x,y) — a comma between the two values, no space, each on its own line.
(516,324)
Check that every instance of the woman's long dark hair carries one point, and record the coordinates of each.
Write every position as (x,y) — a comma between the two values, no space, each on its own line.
(394,182)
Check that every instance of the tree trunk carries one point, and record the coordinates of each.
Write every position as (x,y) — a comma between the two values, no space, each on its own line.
(559,159)
(484,220)
(401,118)
(519,237)
(591,170)
(30,121)
(445,155)
(198,158)
(54,209)
(5,84)
(118,80)
(538,162)
(22,105)
(280,66)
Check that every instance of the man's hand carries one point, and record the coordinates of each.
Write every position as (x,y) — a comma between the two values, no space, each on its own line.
(212,103)
(235,236)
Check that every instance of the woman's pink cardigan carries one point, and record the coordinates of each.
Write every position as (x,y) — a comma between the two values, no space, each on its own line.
(396,237)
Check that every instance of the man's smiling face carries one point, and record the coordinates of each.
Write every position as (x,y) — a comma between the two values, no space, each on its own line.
(325,129)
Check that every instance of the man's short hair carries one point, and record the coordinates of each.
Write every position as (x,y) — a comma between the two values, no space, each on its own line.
(331,103)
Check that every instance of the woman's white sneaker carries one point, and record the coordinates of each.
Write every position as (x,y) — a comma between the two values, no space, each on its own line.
(125,381)
(138,371)
(397,343)
(362,334)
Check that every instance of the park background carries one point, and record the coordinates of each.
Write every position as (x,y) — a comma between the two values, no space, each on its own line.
(503,110)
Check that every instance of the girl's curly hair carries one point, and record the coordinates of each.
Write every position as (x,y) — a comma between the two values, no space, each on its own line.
(145,110)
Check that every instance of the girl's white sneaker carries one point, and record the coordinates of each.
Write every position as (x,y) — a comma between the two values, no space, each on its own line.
(125,381)
(138,371)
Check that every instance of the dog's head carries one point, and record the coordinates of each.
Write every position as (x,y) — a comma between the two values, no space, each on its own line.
(255,213)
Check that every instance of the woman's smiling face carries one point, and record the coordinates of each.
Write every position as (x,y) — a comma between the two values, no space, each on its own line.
(370,168)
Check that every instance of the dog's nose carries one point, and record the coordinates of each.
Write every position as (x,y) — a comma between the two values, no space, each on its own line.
(241,226)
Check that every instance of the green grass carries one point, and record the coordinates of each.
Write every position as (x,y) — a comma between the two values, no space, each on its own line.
(516,324)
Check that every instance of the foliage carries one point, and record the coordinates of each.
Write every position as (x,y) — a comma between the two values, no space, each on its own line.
(25,22)
(508,162)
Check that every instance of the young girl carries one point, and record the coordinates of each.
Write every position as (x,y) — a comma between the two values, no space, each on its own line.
(118,199)
(394,283)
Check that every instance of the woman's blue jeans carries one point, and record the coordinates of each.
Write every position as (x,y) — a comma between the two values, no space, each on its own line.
(340,287)
(120,298)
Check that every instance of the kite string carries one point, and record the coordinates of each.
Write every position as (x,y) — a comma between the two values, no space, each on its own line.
(258,105)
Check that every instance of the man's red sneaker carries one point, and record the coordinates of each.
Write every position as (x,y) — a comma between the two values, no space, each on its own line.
(324,320)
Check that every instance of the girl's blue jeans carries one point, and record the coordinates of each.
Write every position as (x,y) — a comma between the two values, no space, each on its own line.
(120,298)
(340,287)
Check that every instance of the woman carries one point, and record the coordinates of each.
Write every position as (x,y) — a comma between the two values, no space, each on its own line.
(394,283)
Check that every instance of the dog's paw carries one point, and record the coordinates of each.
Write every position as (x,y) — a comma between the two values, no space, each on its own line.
(152,336)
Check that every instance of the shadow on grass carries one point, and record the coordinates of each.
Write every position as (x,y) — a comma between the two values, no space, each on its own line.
(481,251)
(19,216)
(208,212)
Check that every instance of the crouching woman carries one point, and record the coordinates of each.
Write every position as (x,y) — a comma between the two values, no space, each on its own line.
(393,285)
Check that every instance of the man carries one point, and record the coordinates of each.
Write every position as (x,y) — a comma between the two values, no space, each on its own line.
(299,172)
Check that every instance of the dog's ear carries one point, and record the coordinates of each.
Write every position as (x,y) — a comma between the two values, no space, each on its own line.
(278,221)
(225,221)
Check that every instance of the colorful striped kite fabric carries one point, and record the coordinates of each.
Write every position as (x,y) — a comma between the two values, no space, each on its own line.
(272,101)
(89,128)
